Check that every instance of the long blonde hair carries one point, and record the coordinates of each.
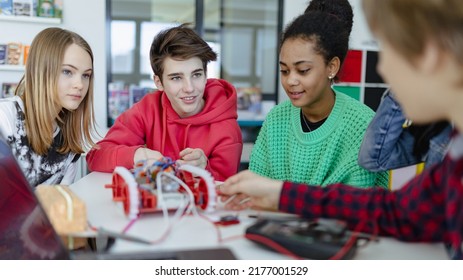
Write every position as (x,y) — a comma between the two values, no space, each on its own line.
(38,89)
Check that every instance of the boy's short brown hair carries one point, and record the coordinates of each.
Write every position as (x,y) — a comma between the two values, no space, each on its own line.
(179,43)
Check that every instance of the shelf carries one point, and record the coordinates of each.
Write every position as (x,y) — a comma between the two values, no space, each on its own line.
(43,20)
(17,68)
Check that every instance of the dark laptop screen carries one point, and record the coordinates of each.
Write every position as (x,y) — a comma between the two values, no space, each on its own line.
(25,231)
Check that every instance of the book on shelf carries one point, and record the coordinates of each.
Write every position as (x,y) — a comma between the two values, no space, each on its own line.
(25,53)
(136,93)
(58,8)
(46,8)
(3,49)
(118,102)
(6,7)
(249,99)
(8,89)
(14,53)
(121,97)
(23,8)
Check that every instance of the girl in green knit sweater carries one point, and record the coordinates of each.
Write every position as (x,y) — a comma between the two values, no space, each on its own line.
(315,136)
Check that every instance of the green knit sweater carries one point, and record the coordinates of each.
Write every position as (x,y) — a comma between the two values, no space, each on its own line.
(327,155)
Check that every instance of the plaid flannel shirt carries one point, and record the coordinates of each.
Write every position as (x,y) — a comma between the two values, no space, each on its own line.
(429,208)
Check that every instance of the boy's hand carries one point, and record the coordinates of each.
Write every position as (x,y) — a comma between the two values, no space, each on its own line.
(195,157)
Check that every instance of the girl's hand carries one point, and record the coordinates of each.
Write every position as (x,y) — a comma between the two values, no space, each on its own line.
(247,189)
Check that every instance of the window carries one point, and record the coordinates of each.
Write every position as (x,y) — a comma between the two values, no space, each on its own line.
(122,46)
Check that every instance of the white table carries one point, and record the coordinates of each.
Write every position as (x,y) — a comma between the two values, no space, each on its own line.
(195,232)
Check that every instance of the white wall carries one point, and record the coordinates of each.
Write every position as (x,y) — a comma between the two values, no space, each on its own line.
(86,17)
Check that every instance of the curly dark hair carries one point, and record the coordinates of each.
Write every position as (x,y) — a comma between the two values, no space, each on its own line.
(340,8)
(326,23)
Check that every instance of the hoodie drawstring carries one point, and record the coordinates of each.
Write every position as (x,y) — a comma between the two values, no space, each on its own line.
(164,130)
(164,133)
(186,136)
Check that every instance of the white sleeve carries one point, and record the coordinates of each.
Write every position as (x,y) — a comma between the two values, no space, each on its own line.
(8,117)
(70,174)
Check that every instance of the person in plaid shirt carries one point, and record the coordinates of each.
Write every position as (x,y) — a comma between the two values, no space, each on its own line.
(425,70)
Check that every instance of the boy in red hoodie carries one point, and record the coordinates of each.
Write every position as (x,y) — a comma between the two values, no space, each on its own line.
(190,118)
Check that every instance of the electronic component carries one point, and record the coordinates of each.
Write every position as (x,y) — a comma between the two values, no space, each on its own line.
(227,220)
(320,239)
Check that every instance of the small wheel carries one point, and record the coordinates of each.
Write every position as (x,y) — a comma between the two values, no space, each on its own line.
(204,192)
(129,191)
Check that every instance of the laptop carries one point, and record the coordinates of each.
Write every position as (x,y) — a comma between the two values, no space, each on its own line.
(27,233)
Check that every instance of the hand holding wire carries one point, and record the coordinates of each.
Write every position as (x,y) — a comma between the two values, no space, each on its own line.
(149,155)
(195,157)
(247,189)
(238,199)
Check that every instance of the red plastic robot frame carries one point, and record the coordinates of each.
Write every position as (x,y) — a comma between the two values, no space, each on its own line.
(139,193)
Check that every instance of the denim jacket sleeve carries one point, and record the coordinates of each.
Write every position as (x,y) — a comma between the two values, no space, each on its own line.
(438,146)
(386,144)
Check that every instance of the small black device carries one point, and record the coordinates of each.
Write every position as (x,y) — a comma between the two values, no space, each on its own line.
(318,239)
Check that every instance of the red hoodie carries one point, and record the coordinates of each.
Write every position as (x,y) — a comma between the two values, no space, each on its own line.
(154,123)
